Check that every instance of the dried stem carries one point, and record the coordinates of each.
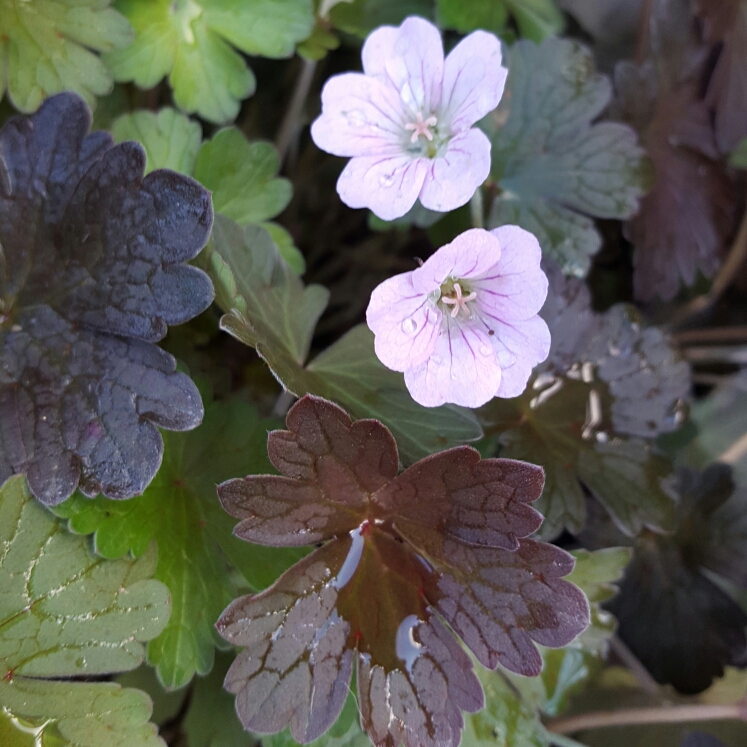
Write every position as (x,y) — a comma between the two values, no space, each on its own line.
(643,42)
(291,123)
(713,334)
(641,716)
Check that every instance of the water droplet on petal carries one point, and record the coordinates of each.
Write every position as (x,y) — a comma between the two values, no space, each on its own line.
(407,95)
(386,180)
(435,359)
(454,376)
(506,358)
(356,118)
(486,350)
(409,326)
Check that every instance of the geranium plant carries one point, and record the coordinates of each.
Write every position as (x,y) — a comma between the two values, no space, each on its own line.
(371,373)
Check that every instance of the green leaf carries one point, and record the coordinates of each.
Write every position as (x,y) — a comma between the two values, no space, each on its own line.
(555,169)
(66,613)
(536,19)
(196,43)
(180,509)
(361,17)
(49,46)
(211,720)
(170,139)
(269,309)
(242,177)
(468,15)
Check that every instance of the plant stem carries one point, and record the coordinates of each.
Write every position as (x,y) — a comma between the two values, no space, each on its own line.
(476,209)
(713,334)
(645,680)
(291,123)
(641,716)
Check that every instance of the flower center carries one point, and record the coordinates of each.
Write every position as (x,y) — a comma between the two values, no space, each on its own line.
(453,297)
(421,128)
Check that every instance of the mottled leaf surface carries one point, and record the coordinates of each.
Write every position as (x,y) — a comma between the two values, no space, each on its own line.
(49,46)
(180,510)
(608,386)
(556,170)
(513,704)
(241,175)
(93,272)
(676,620)
(444,540)
(197,46)
(269,308)
(65,613)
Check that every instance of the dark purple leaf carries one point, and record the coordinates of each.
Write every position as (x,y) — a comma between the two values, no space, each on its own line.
(725,21)
(443,540)
(682,626)
(684,220)
(608,385)
(92,274)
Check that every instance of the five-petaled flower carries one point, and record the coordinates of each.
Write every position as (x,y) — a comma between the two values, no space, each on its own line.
(464,327)
(407,120)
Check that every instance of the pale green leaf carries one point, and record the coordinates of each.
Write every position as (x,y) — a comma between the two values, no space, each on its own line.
(196,43)
(67,613)
(242,177)
(170,139)
(48,46)
(536,19)
(361,17)
(180,509)
(556,169)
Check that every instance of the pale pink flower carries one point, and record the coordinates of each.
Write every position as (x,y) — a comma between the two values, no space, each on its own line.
(464,327)
(407,119)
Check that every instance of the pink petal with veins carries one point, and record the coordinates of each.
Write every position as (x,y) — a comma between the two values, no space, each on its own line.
(453,177)
(516,287)
(389,186)
(526,343)
(410,59)
(405,323)
(474,252)
(473,80)
(462,369)
(360,116)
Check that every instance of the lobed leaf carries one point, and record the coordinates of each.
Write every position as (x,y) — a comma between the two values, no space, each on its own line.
(443,540)
(195,44)
(680,624)
(180,510)
(49,46)
(269,309)
(608,386)
(555,169)
(93,273)
(65,613)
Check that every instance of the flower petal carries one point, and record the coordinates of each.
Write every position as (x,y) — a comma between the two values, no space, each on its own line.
(405,323)
(519,346)
(453,178)
(516,287)
(474,80)
(410,59)
(388,186)
(360,116)
(462,369)
(473,253)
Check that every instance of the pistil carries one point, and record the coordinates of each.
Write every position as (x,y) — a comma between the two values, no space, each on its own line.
(421,128)
(458,301)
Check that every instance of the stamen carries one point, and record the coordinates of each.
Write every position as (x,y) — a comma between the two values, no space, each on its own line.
(421,128)
(460,302)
